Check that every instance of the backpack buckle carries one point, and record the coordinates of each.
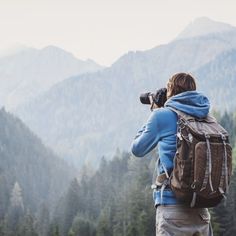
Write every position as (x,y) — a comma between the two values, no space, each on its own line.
(223,137)
(193,185)
(154,186)
(179,136)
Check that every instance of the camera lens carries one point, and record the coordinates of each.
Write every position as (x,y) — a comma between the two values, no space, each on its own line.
(144,98)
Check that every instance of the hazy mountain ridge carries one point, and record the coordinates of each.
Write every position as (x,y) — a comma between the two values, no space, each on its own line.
(187,54)
(29,72)
(220,84)
(91,115)
(203,26)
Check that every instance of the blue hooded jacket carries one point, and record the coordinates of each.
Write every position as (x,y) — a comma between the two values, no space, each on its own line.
(160,131)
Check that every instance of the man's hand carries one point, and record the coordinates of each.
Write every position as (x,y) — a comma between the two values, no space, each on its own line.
(153,104)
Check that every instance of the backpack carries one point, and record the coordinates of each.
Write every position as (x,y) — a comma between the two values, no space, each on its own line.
(202,163)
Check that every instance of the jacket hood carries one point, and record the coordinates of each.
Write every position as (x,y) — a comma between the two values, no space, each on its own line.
(192,103)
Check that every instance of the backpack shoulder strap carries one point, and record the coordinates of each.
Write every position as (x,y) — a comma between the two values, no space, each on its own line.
(181,114)
(208,118)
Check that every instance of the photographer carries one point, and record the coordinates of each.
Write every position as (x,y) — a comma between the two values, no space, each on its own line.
(173,217)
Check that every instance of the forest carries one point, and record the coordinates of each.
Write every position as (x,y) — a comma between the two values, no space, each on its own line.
(113,200)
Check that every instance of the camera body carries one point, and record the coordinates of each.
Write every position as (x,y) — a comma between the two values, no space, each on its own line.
(159,97)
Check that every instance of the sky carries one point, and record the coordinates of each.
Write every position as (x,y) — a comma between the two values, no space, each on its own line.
(103,30)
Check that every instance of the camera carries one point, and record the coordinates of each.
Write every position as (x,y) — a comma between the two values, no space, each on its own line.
(159,97)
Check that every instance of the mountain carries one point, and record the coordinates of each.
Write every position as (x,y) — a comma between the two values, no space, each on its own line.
(87,116)
(218,79)
(30,167)
(29,72)
(203,26)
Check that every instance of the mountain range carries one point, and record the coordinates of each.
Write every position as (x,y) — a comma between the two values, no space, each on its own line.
(28,72)
(91,115)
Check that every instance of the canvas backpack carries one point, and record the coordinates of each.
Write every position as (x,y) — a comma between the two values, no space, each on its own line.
(202,163)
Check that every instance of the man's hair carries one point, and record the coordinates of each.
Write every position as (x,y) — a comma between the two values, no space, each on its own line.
(181,82)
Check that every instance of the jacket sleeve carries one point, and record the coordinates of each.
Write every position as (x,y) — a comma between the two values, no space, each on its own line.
(147,137)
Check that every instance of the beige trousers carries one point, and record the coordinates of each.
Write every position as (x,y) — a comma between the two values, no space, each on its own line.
(177,220)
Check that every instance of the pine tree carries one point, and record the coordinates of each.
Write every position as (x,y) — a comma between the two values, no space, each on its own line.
(72,204)
(82,226)
(16,208)
(143,226)
(53,230)
(227,121)
(27,227)
(2,228)
(56,231)
(16,197)
(103,228)
(225,214)
(43,220)
(4,196)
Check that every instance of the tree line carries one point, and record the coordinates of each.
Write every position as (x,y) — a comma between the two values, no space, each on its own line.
(117,199)
(114,200)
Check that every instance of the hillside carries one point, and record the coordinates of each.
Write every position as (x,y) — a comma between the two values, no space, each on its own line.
(24,161)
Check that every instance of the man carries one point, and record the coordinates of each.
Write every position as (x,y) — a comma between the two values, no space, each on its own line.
(173,218)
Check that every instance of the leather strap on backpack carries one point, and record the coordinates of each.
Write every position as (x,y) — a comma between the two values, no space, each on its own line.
(224,170)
